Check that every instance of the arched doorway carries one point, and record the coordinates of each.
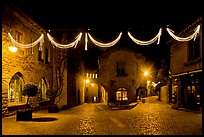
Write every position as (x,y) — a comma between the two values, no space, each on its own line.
(15,89)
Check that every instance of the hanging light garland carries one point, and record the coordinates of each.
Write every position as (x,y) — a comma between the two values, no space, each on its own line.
(86,41)
(15,43)
(171,33)
(147,42)
(64,46)
(100,44)
(105,44)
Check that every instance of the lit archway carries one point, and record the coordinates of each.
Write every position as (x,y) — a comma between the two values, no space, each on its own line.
(15,88)
(43,86)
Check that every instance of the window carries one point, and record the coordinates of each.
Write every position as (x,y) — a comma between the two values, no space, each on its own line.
(47,56)
(121,94)
(19,38)
(120,69)
(15,89)
(40,53)
(43,88)
(194,49)
(30,51)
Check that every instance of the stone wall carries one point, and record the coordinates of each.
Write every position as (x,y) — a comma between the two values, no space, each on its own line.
(179,52)
(24,60)
(134,66)
(164,94)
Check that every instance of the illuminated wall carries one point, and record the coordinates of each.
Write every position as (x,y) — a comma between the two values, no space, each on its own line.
(130,79)
(25,61)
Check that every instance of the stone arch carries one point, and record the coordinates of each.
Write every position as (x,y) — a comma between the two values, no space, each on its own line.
(141,91)
(43,86)
(15,88)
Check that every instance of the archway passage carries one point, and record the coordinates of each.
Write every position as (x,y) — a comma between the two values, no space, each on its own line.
(141,92)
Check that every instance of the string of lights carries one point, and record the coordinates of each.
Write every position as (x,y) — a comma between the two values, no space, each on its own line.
(171,33)
(86,41)
(146,42)
(100,44)
(105,44)
(64,46)
(40,39)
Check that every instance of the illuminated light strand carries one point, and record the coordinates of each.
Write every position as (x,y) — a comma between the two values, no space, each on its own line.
(86,41)
(41,40)
(171,33)
(105,44)
(70,45)
(149,41)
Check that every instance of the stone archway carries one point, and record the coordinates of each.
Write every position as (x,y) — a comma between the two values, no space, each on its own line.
(43,86)
(141,92)
(15,88)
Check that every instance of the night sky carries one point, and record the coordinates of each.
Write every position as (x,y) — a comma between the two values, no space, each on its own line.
(106,19)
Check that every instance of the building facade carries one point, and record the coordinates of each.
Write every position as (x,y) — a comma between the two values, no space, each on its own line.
(37,65)
(26,65)
(186,69)
(120,74)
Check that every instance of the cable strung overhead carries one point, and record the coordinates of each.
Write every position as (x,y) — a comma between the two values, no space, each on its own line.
(171,33)
(15,43)
(139,42)
(100,44)
(64,46)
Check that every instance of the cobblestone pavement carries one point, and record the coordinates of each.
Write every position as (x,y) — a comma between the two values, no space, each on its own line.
(150,118)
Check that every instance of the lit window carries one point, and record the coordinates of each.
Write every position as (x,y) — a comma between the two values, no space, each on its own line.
(15,89)
(121,94)
(43,88)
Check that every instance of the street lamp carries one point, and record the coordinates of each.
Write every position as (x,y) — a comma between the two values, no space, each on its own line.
(12,48)
(146,73)
(87,81)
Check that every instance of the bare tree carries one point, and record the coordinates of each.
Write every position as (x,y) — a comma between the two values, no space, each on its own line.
(59,66)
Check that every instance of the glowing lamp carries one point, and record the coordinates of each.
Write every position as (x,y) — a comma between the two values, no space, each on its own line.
(12,48)
(87,81)
(146,73)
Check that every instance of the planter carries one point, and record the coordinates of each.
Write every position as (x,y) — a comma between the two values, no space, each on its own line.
(52,109)
(23,115)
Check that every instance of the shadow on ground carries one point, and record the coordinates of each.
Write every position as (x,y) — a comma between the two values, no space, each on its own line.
(44,119)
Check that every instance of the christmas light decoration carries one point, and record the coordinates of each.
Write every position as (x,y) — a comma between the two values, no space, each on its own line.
(105,44)
(146,42)
(64,46)
(171,33)
(86,41)
(41,40)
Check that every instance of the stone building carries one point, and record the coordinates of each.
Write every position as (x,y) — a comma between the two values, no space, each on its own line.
(120,74)
(36,65)
(186,68)
(26,65)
